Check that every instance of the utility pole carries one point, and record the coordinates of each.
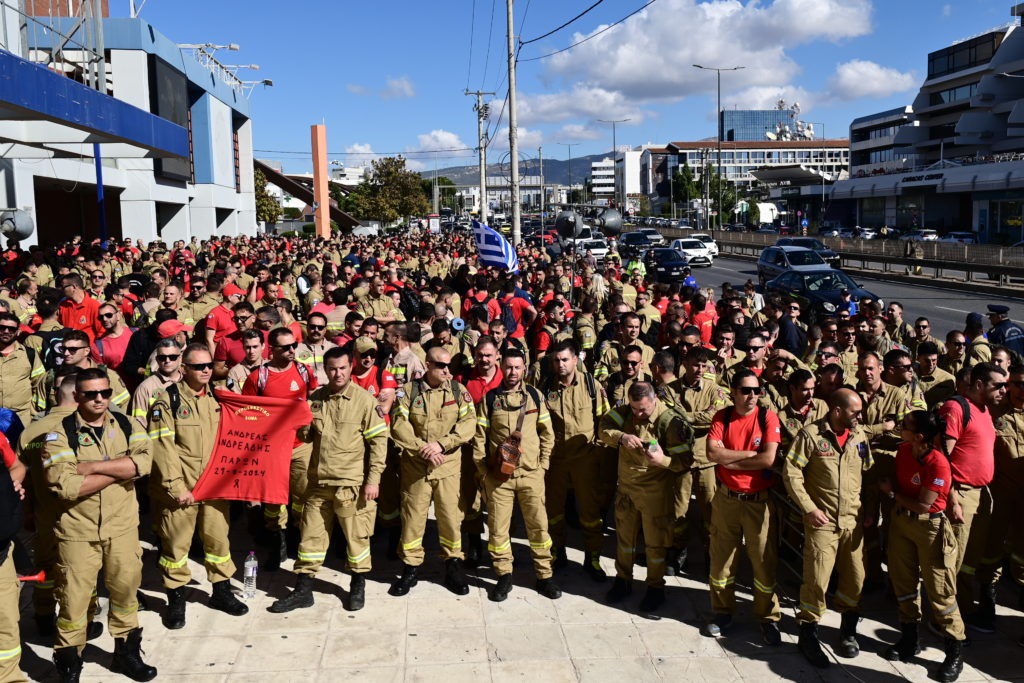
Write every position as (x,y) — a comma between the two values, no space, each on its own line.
(540,160)
(433,185)
(513,142)
(615,164)
(481,110)
(718,119)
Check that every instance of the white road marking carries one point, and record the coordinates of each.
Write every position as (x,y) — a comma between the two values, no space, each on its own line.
(958,310)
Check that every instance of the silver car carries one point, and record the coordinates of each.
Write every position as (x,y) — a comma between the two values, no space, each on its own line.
(774,261)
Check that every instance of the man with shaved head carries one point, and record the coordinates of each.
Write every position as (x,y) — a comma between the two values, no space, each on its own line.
(823,471)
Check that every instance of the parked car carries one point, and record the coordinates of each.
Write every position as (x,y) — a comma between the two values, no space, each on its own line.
(632,242)
(829,232)
(599,248)
(653,235)
(665,264)
(960,238)
(708,241)
(830,257)
(767,231)
(818,290)
(920,236)
(695,251)
(787,230)
(774,261)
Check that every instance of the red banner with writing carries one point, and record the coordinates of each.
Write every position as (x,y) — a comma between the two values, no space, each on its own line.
(253,452)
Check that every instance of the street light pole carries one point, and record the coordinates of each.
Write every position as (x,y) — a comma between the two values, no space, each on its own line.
(570,145)
(615,171)
(718,117)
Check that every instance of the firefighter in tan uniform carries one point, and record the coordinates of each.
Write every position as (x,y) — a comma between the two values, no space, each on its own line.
(618,383)
(349,446)
(10,587)
(654,444)
(379,305)
(21,372)
(698,397)
(91,464)
(430,422)
(576,403)
(611,351)
(514,433)
(183,428)
(168,362)
(823,470)
(252,346)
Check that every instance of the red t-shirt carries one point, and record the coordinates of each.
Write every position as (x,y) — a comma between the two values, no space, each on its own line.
(6,451)
(222,322)
(745,435)
(842,438)
(287,384)
(477,386)
(518,306)
(84,316)
(231,351)
(930,472)
(474,298)
(369,382)
(705,322)
(110,350)
(973,457)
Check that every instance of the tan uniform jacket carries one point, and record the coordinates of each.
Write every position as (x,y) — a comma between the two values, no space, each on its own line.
(979,351)
(312,355)
(572,411)
(699,403)
(791,421)
(349,438)
(183,440)
(31,445)
(239,373)
(444,414)
(819,475)
(379,307)
(145,396)
(21,380)
(608,360)
(636,475)
(1009,450)
(406,366)
(888,403)
(105,514)
(495,422)
(937,387)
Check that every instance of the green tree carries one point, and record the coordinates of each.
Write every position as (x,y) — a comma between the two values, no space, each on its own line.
(445,199)
(267,208)
(390,192)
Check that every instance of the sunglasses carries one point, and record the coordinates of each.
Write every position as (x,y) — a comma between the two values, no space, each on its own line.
(107,316)
(73,349)
(199,367)
(828,354)
(750,391)
(163,358)
(849,334)
(908,366)
(794,308)
(957,343)
(440,366)
(633,363)
(316,327)
(243,319)
(288,347)
(754,349)
(999,385)
(97,393)
(99,277)
(922,327)
(9,328)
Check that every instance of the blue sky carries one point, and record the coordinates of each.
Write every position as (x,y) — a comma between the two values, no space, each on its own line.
(389,76)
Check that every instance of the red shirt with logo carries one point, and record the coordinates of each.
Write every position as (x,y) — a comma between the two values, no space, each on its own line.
(744,434)
(973,458)
(477,386)
(84,316)
(369,382)
(930,472)
(222,322)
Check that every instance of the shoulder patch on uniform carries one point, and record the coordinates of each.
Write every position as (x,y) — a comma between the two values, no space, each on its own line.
(466,398)
(52,436)
(156,413)
(399,394)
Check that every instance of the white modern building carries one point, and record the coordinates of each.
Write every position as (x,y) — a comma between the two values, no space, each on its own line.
(173,130)
(873,146)
(602,178)
(740,159)
(349,175)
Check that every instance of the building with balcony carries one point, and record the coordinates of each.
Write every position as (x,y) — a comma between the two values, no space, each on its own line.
(740,159)
(873,147)
(602,178)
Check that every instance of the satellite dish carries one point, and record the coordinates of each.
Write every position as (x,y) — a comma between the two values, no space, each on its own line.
(16,225)
(771,136)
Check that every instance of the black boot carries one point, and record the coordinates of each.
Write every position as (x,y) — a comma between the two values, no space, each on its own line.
(906,647)
(69,664)
(619,590)
(549,589)
(128,657)
(94,630)
(848,645)
(174,615)
(810,646)
(560,561)
(474,551)
(405,583)
(592,565)
(953,664)
(277,552)
(357,593)
(984,618)
(224,600)
(301,596)
(653,599)
(501,589)
(455,577)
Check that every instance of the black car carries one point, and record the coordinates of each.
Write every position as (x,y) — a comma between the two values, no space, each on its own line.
(830,257)
(633,242)
(665,264)
(818,291)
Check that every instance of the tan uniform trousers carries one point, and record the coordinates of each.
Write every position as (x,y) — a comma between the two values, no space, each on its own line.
(924,548)
(823,550)
(417,494)
(276,516)
(736,522)
(701,483)
(356,516)
(1005,533)
(176,527)
(10,637)
(389,502)
(79,563)
(971,538)
(471,495)
(579,468)
(501,497)
(636,510)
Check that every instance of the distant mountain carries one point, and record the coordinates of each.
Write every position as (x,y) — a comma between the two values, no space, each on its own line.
(556,171)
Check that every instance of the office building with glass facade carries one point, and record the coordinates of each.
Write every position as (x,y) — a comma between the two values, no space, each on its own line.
(750,125)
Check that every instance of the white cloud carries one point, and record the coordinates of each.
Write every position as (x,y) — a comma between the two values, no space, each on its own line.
(577,131)
(360,154)
(356,89)
(436,140)
(860,78)
(398,88)
(582,102)
(767,97)
(947,10)
(528,140)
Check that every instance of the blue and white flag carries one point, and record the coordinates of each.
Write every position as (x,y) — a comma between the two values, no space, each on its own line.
(495,251)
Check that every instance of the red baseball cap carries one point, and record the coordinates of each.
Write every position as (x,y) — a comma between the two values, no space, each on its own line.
(169,328)
(232,290)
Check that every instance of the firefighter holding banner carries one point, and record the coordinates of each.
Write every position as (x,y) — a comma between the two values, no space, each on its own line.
(343,481)
(183,428)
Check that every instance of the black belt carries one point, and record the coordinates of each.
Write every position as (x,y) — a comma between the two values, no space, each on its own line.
(757,495)
(913,515)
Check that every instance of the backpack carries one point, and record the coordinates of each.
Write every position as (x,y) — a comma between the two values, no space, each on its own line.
(965,407)
(139,315)
(762,420)
(492,396)
(71,430)
(263,374)
(507,316)
(457,389)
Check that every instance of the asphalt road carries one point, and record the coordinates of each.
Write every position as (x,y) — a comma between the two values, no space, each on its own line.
(945,308)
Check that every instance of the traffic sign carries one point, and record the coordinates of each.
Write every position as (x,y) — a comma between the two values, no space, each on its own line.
(804,223)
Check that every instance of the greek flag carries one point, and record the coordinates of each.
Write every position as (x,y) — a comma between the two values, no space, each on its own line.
(495,251)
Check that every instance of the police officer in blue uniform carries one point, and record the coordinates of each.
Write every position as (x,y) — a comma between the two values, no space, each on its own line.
(1004,331)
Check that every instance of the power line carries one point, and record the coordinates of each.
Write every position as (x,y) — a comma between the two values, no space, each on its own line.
(556,30)
(606,28)
(472,29)
(370,153)
(490,32)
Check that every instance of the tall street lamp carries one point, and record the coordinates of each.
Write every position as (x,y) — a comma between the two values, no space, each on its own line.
(615,170)
(718,116)
(570,145)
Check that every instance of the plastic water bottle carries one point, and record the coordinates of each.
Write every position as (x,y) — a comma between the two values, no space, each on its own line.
(250,575)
